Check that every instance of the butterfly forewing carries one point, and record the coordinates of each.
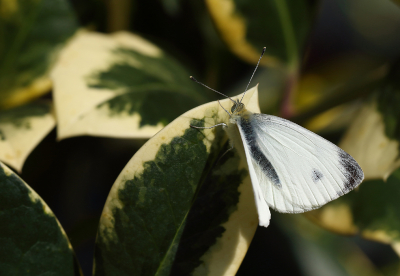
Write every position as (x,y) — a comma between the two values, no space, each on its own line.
(295,169)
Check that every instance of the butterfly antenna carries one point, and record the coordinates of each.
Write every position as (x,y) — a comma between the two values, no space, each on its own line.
(263,51)
(224,109)
(193,79)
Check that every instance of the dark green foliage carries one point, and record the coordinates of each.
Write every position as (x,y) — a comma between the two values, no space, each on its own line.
(388,97)
(17,115)
(165,207)
(215,201)
(28,38)
(31,241)
(281,26)
(376,205)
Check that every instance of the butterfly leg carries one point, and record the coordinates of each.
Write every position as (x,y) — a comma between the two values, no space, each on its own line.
(231,148)
(221,124)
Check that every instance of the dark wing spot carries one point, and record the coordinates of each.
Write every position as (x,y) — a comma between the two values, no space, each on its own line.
(351,170)
(316,175)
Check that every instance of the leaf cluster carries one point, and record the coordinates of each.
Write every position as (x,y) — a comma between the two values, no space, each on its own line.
(113,78)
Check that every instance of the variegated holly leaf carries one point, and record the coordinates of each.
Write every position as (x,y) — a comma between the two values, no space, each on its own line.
(31,32)
(373,138)
(119,85)
(367,141)
(31,238)
(325,94)
(373,211)
(248,26)
(180,207)
(22,129)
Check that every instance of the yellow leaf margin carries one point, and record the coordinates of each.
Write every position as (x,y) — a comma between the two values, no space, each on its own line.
(224,257)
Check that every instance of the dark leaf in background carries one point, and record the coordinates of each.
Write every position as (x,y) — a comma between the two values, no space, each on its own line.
(30,32)
(281,26)
(388,102)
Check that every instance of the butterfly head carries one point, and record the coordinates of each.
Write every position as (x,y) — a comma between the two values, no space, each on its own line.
(237,107)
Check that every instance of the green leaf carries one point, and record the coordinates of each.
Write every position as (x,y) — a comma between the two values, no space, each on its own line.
(373,138)
(172,7)
(119,85)
(373,211)
(281,26)
(32,240)
(375,207)
(320,252)
(177,208)
(21,130)
(388,100)
(367,142)
(30,32)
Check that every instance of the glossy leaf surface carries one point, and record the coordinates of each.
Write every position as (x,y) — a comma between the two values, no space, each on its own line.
(32,240)
(176,208)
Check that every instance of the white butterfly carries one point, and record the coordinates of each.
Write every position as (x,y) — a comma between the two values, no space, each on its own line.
(292,169)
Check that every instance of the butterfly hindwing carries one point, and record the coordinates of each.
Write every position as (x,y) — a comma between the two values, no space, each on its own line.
(295,169)
(264,215)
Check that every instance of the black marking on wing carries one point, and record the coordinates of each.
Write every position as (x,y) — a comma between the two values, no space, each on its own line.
(351,170)
(257,154)
(316,175)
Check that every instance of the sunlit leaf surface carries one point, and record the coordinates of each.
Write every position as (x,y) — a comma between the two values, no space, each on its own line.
(177,208)
(368,143)
(32,240)
(21,130)
(325,95)
(30,32)
(119,85)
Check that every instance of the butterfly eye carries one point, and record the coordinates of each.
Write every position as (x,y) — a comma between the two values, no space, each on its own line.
(233,108)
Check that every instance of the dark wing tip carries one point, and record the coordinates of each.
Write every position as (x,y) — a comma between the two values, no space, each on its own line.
(351,170)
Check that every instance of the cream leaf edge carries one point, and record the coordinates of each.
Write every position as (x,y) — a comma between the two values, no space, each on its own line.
(224,257)
(21,141)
